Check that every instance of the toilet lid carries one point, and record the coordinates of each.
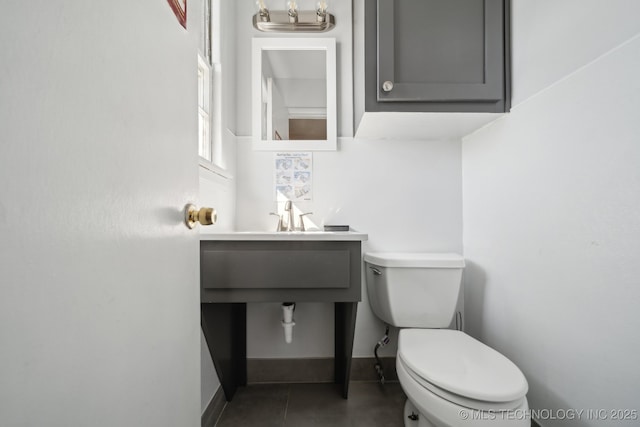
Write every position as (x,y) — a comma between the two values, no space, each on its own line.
(462,365)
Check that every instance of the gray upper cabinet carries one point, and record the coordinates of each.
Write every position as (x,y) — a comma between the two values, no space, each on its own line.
(437,55)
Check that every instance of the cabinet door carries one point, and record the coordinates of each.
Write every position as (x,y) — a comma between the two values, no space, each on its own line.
(440,50)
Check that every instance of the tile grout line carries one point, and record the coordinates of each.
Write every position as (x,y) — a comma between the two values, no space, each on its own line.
(286,406)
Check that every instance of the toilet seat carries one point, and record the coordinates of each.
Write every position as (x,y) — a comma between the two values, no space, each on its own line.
(461,369)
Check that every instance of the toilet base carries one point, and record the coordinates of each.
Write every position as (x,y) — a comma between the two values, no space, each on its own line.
(413,418)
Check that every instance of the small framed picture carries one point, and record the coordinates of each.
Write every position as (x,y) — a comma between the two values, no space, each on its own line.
(179,7)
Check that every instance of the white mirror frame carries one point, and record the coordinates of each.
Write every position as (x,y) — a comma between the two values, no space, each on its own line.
(326,44)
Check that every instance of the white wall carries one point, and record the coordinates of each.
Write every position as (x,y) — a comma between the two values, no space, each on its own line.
(219,191)
(552,38)
(551,196)
(405,194)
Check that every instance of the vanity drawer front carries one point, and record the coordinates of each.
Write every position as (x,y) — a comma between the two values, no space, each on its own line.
(276,265)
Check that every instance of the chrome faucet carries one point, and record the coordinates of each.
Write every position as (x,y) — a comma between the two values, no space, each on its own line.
(301,216)
(280,226)
(291,225)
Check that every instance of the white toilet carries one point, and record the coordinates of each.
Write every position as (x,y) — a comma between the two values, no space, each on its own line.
(450,378)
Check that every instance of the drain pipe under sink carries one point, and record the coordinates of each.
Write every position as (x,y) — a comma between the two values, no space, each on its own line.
(287,320)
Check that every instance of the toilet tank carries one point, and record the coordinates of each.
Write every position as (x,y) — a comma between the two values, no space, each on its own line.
(414,290)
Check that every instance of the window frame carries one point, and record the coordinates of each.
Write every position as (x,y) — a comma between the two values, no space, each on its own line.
(209,61)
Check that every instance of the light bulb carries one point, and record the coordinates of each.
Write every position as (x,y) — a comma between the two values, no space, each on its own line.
(263,12)
(293,11)
(321,11)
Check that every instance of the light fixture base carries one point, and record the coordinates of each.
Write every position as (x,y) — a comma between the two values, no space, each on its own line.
(307,22)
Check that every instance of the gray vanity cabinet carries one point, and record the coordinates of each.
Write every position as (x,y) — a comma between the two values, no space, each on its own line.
(287,267)
(437,55)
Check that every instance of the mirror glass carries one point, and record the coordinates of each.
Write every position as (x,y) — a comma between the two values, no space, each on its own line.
(294,95)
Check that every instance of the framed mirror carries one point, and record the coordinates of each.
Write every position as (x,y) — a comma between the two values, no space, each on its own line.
(294,94)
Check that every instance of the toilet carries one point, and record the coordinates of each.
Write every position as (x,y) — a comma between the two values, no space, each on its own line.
(450,378)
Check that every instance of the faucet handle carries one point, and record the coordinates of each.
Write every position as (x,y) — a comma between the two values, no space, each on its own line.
(302,215)
(279,227)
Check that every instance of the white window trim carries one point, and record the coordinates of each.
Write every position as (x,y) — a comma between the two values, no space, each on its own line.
(216,167)
(205,107)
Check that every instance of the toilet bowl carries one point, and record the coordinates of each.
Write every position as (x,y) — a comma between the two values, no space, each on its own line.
(450,378)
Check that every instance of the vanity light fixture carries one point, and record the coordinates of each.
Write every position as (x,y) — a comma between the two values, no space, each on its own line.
(292,19)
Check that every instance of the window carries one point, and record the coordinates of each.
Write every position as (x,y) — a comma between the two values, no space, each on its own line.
(204,111)
(209,126)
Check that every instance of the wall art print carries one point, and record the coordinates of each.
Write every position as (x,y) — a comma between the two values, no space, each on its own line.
(179,7)
(293,174)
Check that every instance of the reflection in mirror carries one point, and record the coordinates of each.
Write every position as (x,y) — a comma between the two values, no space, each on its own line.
(294,95)
(294,102)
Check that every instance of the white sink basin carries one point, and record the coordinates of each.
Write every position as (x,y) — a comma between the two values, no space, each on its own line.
(286,235)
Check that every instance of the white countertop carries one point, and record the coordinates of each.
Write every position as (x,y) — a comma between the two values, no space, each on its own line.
(287,235)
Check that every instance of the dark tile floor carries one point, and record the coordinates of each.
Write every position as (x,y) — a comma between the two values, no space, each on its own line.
(304,405)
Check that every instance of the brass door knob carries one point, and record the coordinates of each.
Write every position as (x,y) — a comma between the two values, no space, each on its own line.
(205,216)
